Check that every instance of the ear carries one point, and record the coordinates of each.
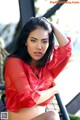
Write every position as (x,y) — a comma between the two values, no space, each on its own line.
(26,43)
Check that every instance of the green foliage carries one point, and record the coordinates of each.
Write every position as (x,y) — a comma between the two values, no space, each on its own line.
(72,117)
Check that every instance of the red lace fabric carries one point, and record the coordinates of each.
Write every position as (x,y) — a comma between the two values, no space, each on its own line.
(22,85)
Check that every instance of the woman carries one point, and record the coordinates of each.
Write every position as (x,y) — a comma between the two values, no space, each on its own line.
(31,69)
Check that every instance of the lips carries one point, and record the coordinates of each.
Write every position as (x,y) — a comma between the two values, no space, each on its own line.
(38,54)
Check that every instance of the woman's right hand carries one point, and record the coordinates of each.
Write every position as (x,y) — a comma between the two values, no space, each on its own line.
(56,89)
(46,94)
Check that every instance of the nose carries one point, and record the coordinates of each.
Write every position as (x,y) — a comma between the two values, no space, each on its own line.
(39,45)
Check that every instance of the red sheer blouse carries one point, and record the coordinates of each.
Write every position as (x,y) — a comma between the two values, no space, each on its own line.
(22,85)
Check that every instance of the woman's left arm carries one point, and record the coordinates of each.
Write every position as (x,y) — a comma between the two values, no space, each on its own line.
(61,53)
(62,39)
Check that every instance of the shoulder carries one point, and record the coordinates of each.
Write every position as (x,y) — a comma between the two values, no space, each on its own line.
(15,65)
(14,61)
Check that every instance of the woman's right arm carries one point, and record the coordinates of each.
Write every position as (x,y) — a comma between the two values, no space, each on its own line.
(18,87)
(46,94)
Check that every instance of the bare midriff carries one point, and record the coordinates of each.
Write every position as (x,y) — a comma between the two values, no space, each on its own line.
(26,113)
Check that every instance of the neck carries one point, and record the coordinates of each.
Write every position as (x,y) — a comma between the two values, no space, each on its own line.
(33,63)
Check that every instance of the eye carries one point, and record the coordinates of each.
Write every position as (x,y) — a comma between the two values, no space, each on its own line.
(45,41)
(32,40)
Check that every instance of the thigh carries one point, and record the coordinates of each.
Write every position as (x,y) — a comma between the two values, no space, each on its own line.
(40,117)
(50,115)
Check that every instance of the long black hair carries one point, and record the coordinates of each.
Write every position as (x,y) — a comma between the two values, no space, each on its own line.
(20,50)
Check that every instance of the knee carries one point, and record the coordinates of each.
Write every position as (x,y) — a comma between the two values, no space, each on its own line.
(52,115)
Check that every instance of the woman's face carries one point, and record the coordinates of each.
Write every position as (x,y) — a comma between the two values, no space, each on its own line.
(37,43)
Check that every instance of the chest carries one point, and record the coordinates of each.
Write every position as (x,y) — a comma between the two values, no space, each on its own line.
(39,79)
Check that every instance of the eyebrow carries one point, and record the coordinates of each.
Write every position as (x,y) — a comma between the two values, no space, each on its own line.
(41,39)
